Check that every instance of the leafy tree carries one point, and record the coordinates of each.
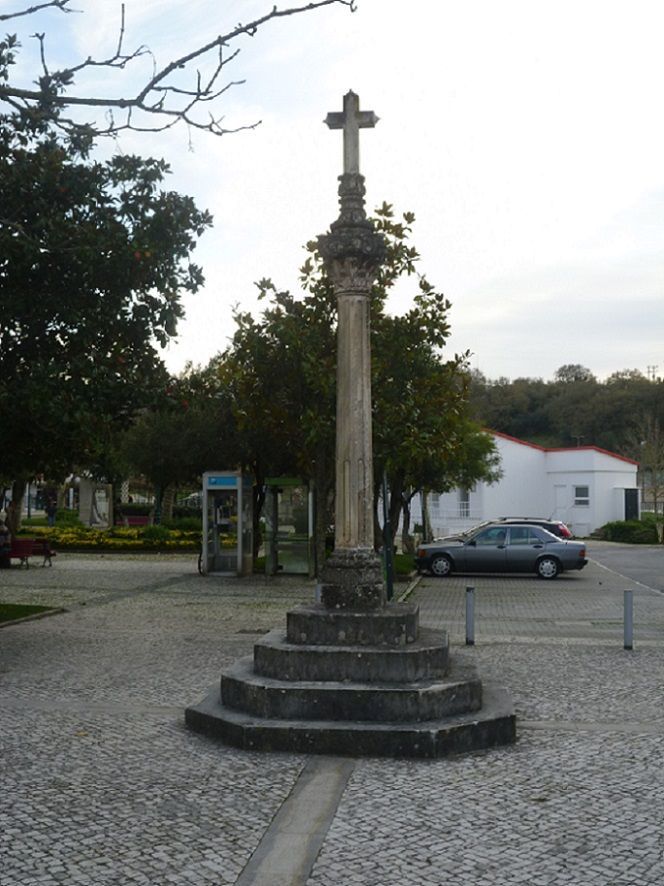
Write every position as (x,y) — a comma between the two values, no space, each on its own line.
(283,368)
(577,410)
(93,256)
(646,445)
(573,372)
(424,436)
(518,408)
(191,430)
(179,91)
(93,260)
(281,371)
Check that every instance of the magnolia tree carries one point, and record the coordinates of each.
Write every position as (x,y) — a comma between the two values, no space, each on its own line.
(283,365)
(94,256)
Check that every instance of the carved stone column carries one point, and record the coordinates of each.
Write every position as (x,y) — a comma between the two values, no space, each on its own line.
(352,253)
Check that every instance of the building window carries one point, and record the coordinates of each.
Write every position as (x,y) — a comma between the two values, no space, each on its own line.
(582,496)
(464,503)
(435,501)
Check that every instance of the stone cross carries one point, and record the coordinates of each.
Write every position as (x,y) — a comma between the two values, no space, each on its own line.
(351,120)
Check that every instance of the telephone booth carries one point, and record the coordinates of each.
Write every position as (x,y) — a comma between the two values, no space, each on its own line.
(227,523)
(289,526)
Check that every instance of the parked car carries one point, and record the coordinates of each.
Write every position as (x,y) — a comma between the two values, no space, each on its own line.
(502,547)
(557,527)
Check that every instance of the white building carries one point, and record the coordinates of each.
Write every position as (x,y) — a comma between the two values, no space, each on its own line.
(584,486)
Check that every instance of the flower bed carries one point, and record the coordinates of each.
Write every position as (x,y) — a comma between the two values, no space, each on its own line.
(119,538)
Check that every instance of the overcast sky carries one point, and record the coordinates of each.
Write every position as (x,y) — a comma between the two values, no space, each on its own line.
(527,136)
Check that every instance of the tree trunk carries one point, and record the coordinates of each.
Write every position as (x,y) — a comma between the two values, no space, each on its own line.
(395,503)
(167,503)
(426,522)
(258,502)
(322,485)
(15,506)
(407,540)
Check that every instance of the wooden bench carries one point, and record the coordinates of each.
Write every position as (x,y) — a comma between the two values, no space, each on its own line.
(132,521)
(137,521)
(24,548)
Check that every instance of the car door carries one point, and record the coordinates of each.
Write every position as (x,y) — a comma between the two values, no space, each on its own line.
(523,548)
(486,551)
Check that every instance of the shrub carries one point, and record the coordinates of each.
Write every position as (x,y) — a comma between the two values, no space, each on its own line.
(403,565)
(184,524)
(135,508)
(34,521)
(156,533)
(119,538)
(181,512)
(67,517)
(636,532)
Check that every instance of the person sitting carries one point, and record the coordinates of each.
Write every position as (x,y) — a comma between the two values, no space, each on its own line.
(5,544)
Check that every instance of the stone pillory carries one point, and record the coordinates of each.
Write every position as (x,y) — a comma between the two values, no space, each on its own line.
(354,674)
(352,252)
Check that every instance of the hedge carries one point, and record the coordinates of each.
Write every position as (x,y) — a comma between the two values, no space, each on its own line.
(636,532)
(119,538)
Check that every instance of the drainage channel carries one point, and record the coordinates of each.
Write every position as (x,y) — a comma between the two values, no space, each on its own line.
(289,848)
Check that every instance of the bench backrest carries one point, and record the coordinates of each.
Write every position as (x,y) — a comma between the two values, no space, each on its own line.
(21,547)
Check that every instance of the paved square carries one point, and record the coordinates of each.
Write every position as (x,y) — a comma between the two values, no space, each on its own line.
(102,784)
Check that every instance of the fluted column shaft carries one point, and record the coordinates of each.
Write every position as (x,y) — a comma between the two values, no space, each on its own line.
(354,465)
(353,252)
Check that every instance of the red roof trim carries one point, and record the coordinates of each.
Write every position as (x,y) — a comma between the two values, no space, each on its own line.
(629,461)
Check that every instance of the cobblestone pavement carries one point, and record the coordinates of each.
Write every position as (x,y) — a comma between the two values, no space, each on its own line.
(102,784)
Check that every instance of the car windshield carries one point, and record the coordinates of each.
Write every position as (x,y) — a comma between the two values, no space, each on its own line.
(465,534)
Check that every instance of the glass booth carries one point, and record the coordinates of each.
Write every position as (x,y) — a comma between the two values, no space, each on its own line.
(289,522)
(228,545)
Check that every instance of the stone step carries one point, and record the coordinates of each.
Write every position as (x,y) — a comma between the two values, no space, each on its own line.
(315,625)
(270,698)
(494,725)
(423,659)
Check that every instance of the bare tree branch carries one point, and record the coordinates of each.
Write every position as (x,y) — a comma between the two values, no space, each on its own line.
(164,101)
(55,4)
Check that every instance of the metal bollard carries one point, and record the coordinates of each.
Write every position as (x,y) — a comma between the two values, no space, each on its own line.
(629,619)
(470,616)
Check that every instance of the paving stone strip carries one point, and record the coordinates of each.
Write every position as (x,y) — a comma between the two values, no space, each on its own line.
(287,853)
(641,727)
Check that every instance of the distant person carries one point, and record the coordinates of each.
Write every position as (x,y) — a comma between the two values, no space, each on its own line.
(51,508)
(12,517)
(5,543)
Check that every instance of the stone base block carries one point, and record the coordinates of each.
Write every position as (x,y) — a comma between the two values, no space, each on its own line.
(424,659)
(394,625)
(353,579)
(493,725)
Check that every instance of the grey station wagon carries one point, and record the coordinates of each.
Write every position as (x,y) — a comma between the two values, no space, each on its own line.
(501,547)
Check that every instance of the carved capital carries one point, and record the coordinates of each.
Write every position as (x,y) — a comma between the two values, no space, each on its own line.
(352,251)
(351,276)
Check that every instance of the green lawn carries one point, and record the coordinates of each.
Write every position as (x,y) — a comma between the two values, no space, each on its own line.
(11,611)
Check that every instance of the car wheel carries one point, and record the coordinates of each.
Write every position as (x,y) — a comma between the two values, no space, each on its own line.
(548,567)
(441,565)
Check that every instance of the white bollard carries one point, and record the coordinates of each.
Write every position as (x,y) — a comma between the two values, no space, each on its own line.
(470,616)
(629,619)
